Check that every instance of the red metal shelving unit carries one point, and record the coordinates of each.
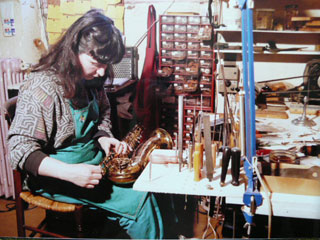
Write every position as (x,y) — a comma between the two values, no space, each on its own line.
(184,50)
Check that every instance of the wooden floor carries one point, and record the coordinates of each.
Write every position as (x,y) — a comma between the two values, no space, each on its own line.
(8,226)
(34,215)
(194,224)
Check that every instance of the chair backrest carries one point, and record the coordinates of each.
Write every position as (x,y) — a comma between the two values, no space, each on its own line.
(7,112)
(10,109)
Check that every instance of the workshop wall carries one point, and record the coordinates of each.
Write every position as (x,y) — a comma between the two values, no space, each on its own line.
(27,25)
(136,12)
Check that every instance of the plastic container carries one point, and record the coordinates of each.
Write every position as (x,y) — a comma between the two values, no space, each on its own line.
(263,18)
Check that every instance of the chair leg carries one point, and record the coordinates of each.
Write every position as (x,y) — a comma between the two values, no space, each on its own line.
(19,205)
(79,220)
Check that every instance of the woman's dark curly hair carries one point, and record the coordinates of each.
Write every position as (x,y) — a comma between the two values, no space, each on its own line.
(93,34)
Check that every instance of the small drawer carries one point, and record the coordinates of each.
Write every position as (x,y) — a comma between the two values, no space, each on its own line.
(205,79)
(179,78)
(167,45)
(178,55)
(181,20)
(167,28)
(193,54)
(192,67)
(167,19)
(165,71)
(178,88)
(205,70)
(167,36)
(193,45)
(205,33)
(181,70)
(193,28)
(205,89)
(206,63)
(194,20)
(180,36)
(181,63)
(180,45)
(180,28)
(192,37)
(192,71)
(166,53)
(206,54)
(204,46)
(166,61)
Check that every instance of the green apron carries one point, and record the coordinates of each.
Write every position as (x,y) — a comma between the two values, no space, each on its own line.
(135,210)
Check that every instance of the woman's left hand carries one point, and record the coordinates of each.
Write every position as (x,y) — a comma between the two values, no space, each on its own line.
(107,143)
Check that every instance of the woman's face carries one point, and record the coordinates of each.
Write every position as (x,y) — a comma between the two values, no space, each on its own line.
(91,68)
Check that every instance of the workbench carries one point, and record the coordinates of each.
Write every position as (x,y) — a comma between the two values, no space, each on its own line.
(166,178)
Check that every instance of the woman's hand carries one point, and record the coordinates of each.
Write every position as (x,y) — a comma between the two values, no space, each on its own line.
(107,143)
(83,175)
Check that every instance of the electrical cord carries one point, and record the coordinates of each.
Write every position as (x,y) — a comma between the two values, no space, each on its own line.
(12,206)
(146,33)
(209,225)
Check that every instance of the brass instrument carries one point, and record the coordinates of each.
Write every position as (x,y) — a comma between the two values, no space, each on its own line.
(125,168)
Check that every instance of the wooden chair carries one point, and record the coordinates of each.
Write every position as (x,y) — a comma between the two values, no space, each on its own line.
(23,198)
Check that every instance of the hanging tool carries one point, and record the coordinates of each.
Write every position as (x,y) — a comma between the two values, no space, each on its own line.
(226,153)
(180,131)
(272,47)
(208,142)
(235,165)
(234,154)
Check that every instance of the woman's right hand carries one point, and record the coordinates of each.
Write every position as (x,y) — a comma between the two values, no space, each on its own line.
(83,175)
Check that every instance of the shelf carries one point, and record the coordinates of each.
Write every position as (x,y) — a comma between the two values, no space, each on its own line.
(269,31)
(264,36)
(313,53)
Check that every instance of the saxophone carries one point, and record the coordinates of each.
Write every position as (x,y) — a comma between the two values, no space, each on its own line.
(126,168)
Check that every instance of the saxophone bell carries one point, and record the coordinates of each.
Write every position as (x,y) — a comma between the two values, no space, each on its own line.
(126,168)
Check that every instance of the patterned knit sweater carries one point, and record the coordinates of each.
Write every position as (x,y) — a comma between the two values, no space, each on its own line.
(43,119)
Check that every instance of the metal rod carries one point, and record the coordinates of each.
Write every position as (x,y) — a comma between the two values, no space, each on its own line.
(180,130)
(245,77)
(242,124)
(288,78)
(251,82)
(280,92)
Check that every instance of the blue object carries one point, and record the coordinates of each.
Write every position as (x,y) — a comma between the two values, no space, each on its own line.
(252,197)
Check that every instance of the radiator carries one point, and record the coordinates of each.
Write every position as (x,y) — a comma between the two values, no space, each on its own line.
(11,76)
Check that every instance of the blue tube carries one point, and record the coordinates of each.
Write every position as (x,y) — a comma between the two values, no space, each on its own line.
(251,83)
(245,78)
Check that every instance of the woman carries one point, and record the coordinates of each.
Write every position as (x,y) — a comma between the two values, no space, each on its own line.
(62,129)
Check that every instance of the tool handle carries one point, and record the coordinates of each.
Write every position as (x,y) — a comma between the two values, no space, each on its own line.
(235,165)
(225,163)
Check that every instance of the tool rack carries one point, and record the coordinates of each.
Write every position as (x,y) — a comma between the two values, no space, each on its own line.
(191,61)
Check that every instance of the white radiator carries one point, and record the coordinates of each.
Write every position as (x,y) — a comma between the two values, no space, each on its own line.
(10,77)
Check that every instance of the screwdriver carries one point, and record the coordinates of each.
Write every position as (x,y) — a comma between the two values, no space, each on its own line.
(233,153)
(226,153)
(235,165)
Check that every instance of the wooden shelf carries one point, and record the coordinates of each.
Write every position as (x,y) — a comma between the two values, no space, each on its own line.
(264,36)
(313,53)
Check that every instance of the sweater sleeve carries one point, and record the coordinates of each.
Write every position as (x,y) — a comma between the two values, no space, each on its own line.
(33,162)
(33,123)
(105,114)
